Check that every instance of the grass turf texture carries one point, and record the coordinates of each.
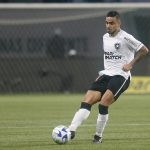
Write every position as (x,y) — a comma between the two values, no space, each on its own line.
(26,123)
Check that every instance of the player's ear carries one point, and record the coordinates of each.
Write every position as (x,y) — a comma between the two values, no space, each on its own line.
(119,21)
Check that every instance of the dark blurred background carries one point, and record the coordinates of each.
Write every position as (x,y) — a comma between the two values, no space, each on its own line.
(49,49)
(72,1)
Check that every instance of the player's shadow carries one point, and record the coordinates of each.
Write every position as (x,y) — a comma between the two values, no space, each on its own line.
(129,139)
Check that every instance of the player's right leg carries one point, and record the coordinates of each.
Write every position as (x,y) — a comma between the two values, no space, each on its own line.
(82,114)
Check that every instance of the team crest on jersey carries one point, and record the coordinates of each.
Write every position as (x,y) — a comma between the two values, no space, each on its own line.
(117,46)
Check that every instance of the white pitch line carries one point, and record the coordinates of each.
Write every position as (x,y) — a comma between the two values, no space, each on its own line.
(86,125)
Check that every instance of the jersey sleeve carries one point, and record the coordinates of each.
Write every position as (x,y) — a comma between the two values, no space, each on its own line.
(133,43)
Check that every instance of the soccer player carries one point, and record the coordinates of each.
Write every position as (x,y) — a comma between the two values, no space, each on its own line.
(121,52)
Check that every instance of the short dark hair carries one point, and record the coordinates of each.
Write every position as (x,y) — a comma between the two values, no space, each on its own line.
(113,14)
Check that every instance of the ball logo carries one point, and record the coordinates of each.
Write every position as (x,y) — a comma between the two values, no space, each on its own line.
(59,134)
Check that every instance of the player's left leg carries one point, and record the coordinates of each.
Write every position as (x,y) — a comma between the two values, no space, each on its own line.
(107,99)
(116,86)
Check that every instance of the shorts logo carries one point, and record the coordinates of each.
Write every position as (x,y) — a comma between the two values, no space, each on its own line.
(117,46)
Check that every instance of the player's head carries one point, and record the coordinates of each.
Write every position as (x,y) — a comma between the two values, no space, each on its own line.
(113,22)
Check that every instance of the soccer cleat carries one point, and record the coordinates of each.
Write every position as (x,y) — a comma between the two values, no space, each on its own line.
(72,134)
(97,139)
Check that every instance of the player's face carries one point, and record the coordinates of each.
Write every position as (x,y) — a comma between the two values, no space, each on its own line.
(112,25)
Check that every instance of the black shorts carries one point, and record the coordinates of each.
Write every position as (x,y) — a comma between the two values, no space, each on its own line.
(117,84)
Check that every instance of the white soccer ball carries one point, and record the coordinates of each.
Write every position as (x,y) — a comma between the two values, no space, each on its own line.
(61,134)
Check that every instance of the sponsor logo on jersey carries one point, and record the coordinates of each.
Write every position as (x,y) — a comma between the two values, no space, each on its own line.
(111,55)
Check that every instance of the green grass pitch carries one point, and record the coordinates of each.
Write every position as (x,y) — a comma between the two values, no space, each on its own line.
(26,123)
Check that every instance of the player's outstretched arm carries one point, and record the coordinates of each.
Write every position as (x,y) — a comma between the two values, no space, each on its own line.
(139,55)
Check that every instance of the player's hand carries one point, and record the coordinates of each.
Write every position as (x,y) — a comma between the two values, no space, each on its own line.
(127,67)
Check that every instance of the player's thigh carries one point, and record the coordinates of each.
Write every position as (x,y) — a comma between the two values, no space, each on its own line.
(117,85)
(92,97)
(107,98)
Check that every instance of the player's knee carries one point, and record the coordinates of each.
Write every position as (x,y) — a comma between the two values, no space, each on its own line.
(92,97)
(107,99)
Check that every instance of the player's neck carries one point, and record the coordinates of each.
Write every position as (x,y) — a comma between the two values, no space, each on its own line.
(114,33)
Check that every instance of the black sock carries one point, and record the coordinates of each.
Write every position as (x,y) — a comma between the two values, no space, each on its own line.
(86,106)
(103,110)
